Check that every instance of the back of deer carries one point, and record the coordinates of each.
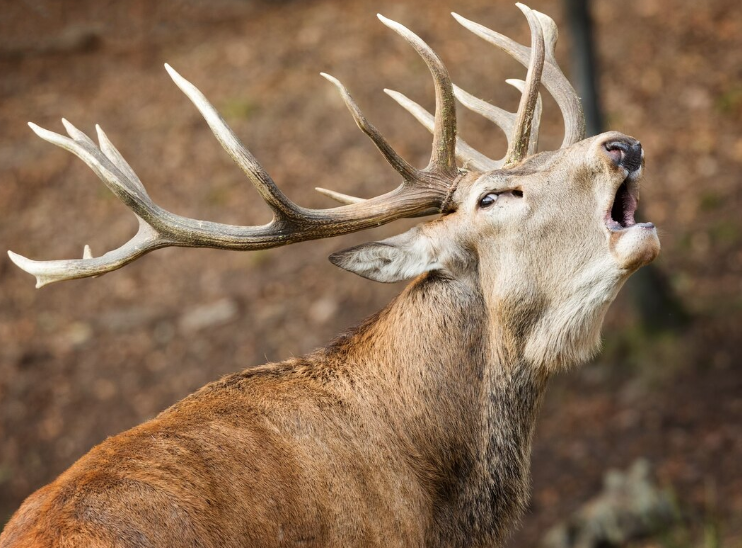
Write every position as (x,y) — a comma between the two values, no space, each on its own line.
(263,458)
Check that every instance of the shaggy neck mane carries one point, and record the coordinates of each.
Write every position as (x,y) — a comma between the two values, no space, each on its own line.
(463,410)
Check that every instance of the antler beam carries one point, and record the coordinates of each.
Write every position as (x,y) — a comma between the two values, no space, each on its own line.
(422,192)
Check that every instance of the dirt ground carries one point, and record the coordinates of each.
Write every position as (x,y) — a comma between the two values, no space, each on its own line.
(83,360)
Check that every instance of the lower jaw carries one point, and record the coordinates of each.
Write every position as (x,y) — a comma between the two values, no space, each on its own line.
(615,226)
(635,246)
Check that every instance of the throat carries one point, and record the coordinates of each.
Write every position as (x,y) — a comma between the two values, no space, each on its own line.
(495,489)
(514,399)
(569,334)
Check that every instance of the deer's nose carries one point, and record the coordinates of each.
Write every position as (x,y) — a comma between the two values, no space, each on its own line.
(626,153)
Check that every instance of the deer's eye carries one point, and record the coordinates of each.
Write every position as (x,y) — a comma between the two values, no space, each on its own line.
(488,199)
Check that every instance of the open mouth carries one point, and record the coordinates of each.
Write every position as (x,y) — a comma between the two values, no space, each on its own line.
(620,215)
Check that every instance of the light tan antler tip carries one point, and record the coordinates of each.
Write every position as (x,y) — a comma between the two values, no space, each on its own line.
(86,253)
(392,24)
(468,24)
(175,76)
(459,18)
(339,85)
(522,7)
(26,265)
(330,78)
(339,196)
(17,259)
(516,83)
(397,96)
(44,133)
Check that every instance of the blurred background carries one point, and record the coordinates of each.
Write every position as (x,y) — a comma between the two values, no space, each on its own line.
(83,360)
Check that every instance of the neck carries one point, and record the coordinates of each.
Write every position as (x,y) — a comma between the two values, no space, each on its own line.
(463,410)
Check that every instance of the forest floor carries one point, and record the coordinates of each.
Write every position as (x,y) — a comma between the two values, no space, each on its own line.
(83,360)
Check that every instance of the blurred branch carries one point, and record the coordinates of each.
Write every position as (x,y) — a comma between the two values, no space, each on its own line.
(584,64)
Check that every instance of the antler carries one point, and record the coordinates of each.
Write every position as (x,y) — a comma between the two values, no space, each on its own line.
(421,192)
(553,77)
(469,156)
(521,128)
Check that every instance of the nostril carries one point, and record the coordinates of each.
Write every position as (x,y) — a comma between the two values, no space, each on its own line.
(625,154)
(616,151)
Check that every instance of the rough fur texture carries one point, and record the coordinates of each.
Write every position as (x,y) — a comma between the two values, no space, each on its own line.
(336,449)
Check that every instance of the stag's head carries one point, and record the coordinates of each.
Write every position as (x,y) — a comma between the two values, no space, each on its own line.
(547,238)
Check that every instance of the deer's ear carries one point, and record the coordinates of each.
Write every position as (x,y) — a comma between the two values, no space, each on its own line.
(392,260)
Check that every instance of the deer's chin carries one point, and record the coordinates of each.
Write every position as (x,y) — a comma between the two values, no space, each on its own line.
(635,246)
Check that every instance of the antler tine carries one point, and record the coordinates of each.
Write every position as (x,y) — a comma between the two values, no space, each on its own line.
(84,148)
(271,194)
(552,77)
(76,134)
(518,148)
(47,272)
(407,172)
(469,156)
(551,36)
(520,85)
(500,117)
(339,196)
(347,199)
(112,153)
(443,157)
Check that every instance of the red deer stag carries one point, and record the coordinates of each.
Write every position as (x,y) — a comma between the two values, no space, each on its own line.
(414,429)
